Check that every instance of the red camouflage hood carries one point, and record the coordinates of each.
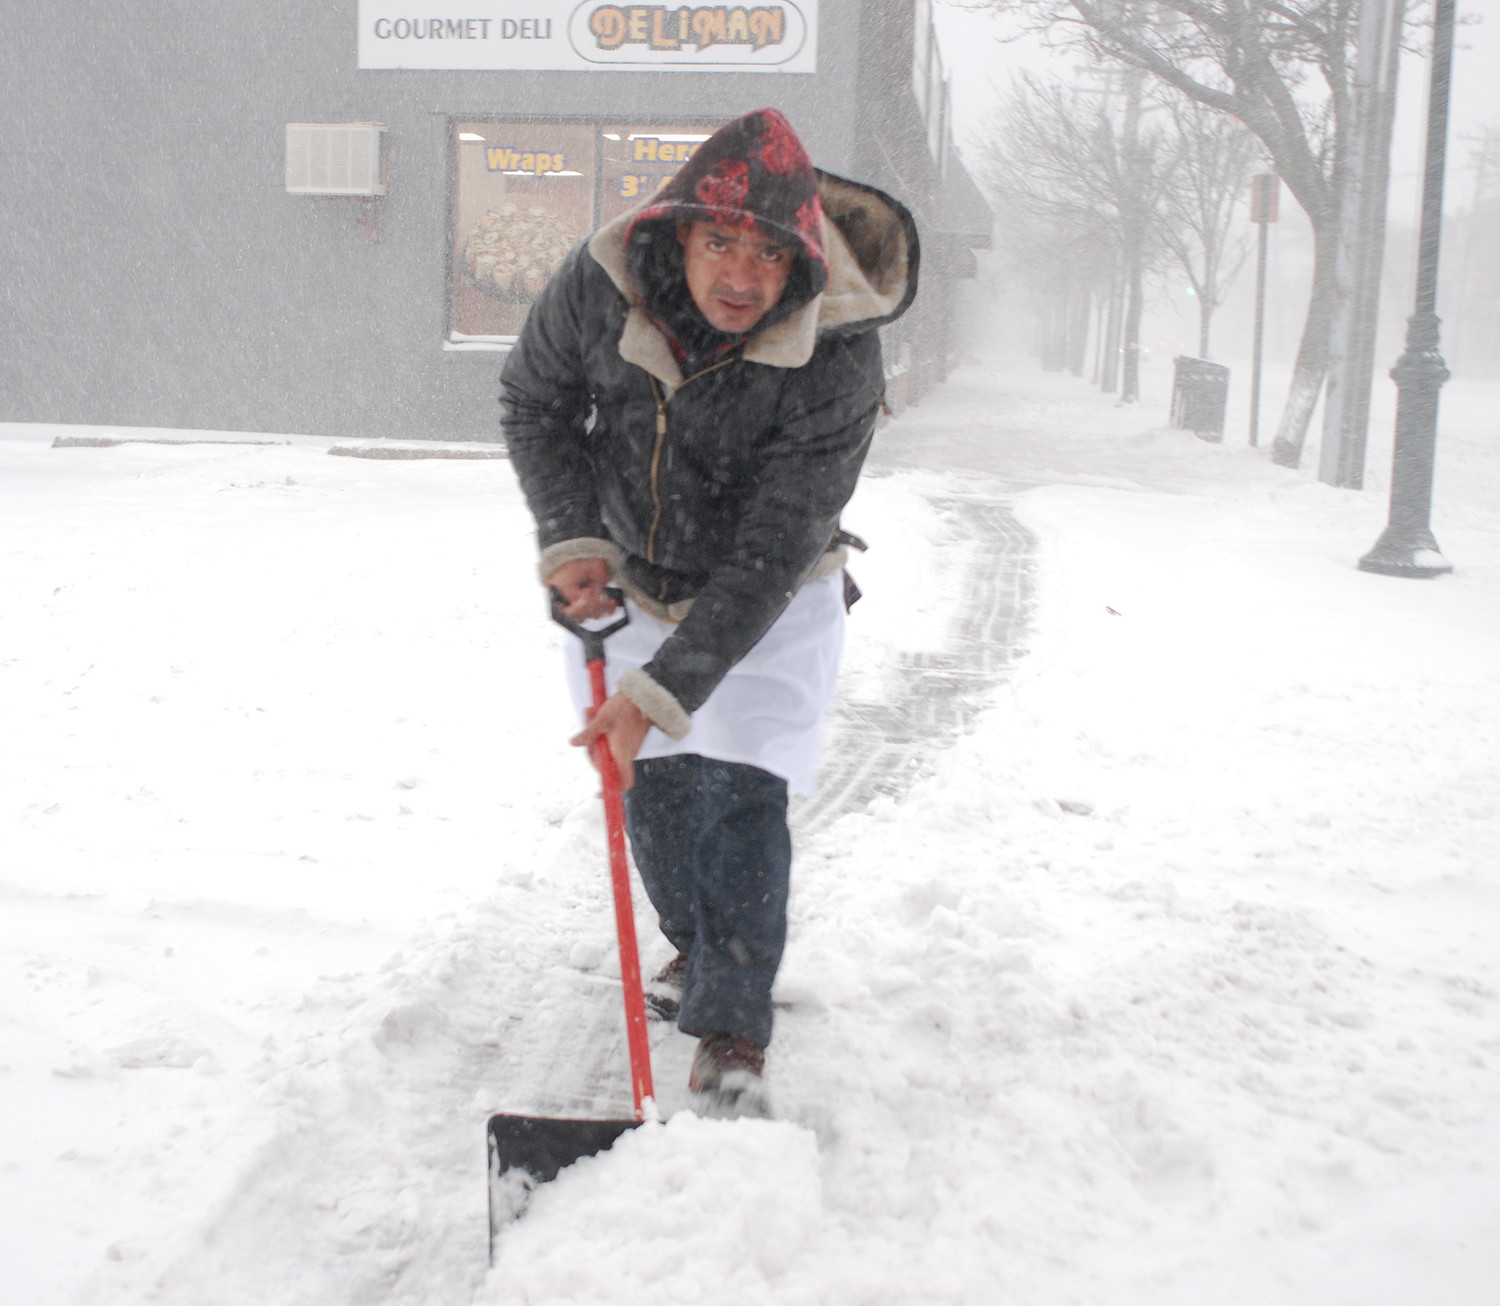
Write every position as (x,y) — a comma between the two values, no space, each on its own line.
(752,172)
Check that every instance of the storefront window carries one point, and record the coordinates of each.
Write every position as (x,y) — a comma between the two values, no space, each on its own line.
(526,196)
(527,193)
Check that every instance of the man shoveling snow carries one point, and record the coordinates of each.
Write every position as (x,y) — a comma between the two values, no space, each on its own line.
(688,408)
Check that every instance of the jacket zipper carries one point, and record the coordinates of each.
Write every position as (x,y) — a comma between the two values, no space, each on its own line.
(661,438)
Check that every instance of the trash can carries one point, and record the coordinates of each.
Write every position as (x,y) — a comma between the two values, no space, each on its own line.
(1200,393)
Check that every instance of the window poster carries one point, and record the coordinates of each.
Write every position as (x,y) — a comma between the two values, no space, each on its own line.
(528,192)
(637,161)
(525,197)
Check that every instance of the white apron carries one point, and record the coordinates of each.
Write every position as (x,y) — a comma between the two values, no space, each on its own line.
(769,710)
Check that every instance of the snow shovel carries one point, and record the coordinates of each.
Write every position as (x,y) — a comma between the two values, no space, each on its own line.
(525,1151)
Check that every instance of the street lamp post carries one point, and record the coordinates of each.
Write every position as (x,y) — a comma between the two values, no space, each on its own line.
(1407,547)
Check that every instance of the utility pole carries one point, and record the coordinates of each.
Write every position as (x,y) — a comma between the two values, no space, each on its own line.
(1361,246)
(1111,309)
(1265,192)
(1135,236)
(1407,547)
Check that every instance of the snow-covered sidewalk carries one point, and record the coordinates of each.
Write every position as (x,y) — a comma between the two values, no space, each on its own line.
(1171,981)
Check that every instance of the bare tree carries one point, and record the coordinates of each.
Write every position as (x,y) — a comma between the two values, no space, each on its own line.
(1058,226)
(1282,67)
(1077,194)
(1215,156)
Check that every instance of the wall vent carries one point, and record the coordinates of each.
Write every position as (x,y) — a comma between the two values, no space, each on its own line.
(334,158)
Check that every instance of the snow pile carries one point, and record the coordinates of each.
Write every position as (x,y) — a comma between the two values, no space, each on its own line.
(712,1210)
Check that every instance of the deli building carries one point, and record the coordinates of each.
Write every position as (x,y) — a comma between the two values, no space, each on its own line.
(332,219)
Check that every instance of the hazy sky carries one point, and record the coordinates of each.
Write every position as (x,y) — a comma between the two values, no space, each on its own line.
(982,66)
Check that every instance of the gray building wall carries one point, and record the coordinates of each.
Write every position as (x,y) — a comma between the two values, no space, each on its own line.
(154,272)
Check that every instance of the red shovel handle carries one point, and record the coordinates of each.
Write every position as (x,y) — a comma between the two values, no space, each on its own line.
(619,870)
(619,873)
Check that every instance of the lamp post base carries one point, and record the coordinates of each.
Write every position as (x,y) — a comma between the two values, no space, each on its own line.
(1418,560)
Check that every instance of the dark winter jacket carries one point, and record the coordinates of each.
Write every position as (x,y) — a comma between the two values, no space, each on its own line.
(713,495)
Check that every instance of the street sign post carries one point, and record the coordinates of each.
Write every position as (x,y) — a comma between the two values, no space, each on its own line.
(1265,196)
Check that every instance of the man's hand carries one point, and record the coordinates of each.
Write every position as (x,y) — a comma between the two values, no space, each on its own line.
(622,723)
(581,583)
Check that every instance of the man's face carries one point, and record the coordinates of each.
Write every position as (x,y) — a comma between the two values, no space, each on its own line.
(735,275)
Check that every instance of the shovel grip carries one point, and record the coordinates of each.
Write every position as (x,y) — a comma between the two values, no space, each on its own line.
(593,640)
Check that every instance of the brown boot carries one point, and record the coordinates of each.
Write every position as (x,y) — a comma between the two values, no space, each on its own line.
(726,1077)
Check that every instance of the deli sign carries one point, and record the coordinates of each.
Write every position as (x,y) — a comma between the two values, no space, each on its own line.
(779,36)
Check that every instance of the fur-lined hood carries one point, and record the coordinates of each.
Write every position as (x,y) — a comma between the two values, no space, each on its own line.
(871,251)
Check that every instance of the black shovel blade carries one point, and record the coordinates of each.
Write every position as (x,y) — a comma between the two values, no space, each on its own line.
(525,1151)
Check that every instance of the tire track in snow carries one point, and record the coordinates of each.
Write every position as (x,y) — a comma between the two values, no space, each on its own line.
(870,746)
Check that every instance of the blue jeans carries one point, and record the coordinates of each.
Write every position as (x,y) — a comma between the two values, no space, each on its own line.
(712,846)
